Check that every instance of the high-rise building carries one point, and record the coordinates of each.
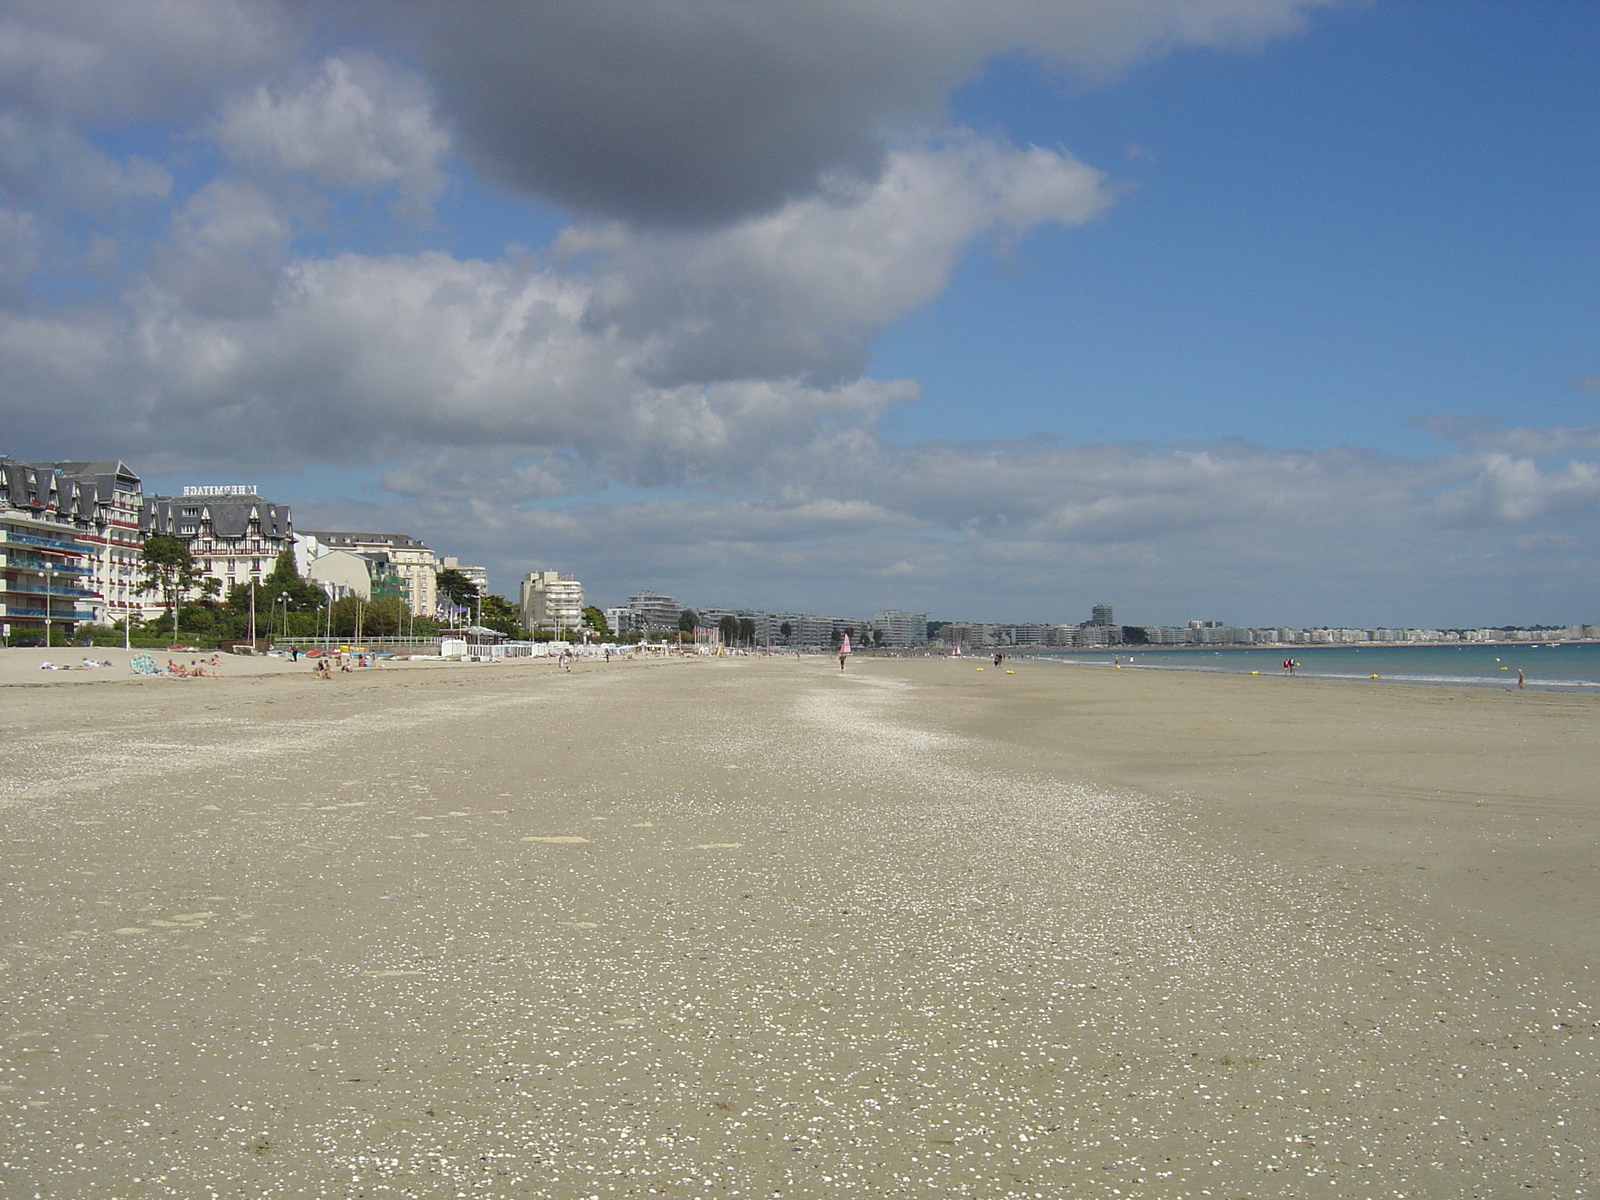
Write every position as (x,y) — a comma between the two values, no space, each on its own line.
(1101,615)
(651,612)
(551,600)
(901,629)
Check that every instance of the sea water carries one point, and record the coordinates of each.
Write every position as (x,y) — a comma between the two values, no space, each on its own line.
(1569,666)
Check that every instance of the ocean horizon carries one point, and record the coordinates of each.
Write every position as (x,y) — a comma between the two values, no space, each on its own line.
(1546,666)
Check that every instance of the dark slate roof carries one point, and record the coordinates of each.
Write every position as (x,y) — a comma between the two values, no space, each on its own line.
(39,490)
(106,477)
(228,516)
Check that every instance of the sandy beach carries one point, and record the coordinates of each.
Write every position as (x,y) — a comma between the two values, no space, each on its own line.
(714,928)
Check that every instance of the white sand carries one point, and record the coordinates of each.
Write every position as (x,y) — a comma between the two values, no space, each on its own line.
(757,928)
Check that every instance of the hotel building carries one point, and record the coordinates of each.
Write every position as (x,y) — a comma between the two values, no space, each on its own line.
(233,534)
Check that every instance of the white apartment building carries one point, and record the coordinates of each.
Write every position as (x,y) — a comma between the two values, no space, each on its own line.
(651,612)
(233,534)
(46,580)
(551,600)
(901,629)
(415,564)
(114,498)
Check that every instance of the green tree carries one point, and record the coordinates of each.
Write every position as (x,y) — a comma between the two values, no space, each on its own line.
(877,638)
(747,631)
(168,568)
(503,616)
(461,590)
(304,596)
(687,620)
(596,620)
(787,630)
(728,626)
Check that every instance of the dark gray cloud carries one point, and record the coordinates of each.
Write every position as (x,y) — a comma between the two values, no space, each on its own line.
(701,113)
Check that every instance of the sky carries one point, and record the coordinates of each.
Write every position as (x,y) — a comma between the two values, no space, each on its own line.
(1262,311)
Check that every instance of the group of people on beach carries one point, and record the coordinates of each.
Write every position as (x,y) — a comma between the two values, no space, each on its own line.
(1290,666)
(196,669)
(324,667)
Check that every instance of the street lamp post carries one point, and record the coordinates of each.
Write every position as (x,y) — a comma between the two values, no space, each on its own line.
(284,596)
(49,578)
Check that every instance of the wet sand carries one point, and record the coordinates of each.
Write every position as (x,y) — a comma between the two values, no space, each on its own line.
(716,928)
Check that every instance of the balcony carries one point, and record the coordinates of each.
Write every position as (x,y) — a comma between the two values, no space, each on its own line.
(40,565)
(28,539)
(61,590)
(56,613)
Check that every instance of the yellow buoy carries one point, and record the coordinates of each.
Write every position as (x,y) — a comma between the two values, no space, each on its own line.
(980,668)
(1255,672)
(1371,676)
(1010,672)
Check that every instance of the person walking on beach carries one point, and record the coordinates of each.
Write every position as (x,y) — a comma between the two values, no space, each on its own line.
(1519,679)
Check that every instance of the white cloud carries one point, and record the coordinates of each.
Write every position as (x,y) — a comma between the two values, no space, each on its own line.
(19,249)
(227,250)
(356,123)
(52,167)
(130,60)
(803,288)
(1505,489)
(670,358)
(1477,434)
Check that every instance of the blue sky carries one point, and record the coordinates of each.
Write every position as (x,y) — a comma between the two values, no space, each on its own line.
(1391,216)
(832,308)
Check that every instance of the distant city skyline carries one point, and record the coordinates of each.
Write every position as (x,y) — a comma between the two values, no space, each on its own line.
(1282,310)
